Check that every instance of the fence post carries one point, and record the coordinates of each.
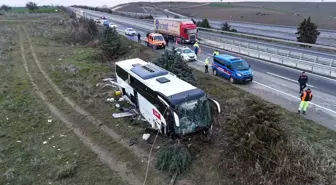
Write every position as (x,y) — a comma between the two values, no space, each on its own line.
(315,59)
(331,63)
(301,56)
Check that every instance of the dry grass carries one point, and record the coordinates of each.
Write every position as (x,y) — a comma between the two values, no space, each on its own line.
(277,134)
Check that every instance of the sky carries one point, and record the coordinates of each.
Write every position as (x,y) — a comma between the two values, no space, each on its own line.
(111,3)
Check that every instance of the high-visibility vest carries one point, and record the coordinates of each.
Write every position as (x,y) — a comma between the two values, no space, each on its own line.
(304,96)
(216,53)
(196,45)
(206,61)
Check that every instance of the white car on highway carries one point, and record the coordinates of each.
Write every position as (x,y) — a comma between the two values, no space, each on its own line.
(112,25)
(130,31)
(186,53)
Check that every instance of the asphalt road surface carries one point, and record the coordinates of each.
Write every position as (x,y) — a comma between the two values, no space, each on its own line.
(275,83)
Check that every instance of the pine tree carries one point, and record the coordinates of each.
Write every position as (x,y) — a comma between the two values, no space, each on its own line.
(226,27)
(204,23)
(111,44)
(307,32)
(174,63)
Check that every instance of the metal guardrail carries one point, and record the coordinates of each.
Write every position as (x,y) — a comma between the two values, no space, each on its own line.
(269,38)
(326,67)
(320,65)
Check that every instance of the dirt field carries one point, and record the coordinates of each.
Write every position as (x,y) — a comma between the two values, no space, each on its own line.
(280,13)
(56,126)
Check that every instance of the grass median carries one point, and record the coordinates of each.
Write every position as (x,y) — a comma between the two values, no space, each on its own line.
(254,141)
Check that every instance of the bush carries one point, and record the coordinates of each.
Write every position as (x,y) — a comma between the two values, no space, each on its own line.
(68,170)
(204,23)
(255,126)
(174,63)
(265,154)
(173,159)
(111,45)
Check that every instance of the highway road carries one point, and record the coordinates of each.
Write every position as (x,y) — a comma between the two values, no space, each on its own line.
(277,84)
(327,37)
(149,23)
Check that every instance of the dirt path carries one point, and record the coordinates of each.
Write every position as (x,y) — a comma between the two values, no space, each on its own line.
(135,150)
(104,156)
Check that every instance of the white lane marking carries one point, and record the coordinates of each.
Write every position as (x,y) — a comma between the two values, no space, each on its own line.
(319,106)
(144,9)
(286,78)
(260,60)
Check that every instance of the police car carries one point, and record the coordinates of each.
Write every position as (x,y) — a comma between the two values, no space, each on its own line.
(233,68)
(186,53)
(130,31)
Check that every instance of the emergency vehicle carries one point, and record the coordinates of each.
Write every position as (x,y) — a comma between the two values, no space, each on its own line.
(155,40)
(233,68)
(169,104)
(183,30)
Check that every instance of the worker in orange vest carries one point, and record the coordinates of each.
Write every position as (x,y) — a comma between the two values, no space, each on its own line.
(306,97)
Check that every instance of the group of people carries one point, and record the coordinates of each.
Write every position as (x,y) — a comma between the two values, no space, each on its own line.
(306,95)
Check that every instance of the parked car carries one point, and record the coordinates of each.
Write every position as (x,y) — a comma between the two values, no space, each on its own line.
(112,25)
(130,31)
(186,53)
(233,68)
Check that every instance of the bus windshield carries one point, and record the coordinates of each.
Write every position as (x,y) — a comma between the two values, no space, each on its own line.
(241,65)
(193,115)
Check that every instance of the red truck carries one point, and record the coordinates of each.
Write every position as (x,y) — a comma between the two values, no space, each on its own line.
(177,29)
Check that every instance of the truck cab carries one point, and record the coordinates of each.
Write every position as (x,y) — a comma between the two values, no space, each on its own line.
(155,40)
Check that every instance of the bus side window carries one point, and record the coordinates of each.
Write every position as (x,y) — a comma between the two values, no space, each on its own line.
(121,73)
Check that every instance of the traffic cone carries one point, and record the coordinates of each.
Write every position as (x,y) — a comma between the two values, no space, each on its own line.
(176,42)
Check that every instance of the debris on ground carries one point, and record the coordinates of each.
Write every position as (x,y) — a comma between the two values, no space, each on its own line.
(45,142)
(117,105)
(133,141)
(49,120)
(110,100)
(123,114)
(145,136)
(18,141)
(121,99)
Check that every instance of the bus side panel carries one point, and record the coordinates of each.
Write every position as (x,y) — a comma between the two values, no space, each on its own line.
(145,107)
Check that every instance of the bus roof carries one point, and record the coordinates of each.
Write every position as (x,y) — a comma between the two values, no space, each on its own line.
(156,78)
(229,58)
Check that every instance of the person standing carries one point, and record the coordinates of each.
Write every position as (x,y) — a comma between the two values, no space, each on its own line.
(139,38)
(167,41)
(196,48)
(306,97)
(206,65)
(215,53)
(303,80)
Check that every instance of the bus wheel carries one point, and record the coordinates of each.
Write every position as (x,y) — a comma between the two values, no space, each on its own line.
(232,80)
(206,135)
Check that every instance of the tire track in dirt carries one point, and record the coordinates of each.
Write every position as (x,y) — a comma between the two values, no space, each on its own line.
(135,150)
(104,156)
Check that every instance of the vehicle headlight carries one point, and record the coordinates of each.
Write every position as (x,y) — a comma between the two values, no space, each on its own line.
(238,74)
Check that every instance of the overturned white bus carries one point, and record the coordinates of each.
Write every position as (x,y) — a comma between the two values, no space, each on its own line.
(169,104)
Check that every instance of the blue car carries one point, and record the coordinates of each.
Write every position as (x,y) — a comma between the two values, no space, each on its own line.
(233,68)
